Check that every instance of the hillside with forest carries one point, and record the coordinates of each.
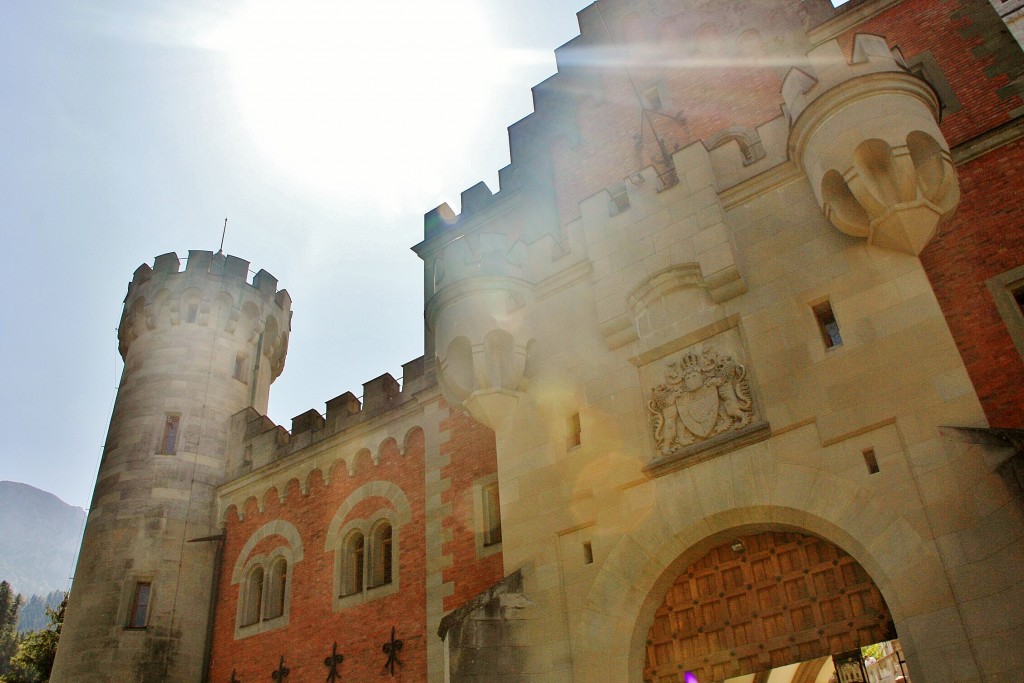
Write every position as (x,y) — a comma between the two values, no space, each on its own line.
(39,539)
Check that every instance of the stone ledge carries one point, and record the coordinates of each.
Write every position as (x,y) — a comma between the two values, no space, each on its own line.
(705,450)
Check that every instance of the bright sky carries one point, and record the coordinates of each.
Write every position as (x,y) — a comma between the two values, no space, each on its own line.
(323,130)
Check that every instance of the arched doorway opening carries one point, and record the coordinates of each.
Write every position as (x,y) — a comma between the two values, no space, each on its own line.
(760,602)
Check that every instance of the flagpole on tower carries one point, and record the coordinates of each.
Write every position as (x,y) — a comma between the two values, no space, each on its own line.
(222,234)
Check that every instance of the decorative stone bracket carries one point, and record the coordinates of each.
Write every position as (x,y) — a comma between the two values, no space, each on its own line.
(482,337)
(866,134)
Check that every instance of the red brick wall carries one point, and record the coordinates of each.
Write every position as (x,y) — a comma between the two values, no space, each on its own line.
(713,95)
(472,454)
(954,36)
(709,92)
(360,631)
(984,238)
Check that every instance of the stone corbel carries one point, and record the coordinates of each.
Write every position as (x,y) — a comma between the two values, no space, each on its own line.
(867,136)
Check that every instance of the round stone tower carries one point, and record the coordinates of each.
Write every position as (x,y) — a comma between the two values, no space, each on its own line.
(199,345)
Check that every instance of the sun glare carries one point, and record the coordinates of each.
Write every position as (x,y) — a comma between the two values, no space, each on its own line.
(338,94)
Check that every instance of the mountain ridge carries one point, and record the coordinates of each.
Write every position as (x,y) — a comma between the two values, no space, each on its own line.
(39,538)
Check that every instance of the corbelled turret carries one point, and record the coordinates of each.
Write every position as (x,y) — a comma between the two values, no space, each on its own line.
(867,136)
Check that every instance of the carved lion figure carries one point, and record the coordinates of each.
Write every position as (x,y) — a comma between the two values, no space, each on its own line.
(735,400)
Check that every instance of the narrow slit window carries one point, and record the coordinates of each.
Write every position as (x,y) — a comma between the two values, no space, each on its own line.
(588,553)
(139,614)
(240,368)
(492,515)
(575,433)
(870,460)
(169,441)
(1018,296)
(620,199)
(827,325)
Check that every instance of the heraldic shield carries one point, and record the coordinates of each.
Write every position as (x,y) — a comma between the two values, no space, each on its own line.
(698,410)
(703,394)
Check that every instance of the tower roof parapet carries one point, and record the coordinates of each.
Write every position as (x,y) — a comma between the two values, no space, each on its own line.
(212,289)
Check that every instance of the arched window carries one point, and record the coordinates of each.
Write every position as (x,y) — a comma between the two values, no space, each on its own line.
(276,588)
(381,555)
(367,548)
(263,579)
(253,596)
(354,556)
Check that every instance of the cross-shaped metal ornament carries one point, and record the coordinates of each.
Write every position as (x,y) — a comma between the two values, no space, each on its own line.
(332,663)
(282,671)
(391,649)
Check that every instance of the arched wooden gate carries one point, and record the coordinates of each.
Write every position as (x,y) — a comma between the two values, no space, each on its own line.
(761,602)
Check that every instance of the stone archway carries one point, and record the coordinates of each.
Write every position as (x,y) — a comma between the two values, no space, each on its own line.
(760,602)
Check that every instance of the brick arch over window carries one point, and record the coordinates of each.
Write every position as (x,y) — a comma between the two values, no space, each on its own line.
(762,601)
(385,489)
(278,527)
(370,571)
(264,580)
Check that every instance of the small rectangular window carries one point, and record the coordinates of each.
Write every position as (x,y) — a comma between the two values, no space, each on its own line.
(575,435)
(827,325)
(620,199)
(652,99)
(492,514)
(588,553)
(870,460)
(139,613)
(169,442)
(1008,293)
(239,372)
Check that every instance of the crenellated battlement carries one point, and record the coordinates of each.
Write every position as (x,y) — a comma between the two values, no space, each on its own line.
(255,440)
(828,68)
(212,291)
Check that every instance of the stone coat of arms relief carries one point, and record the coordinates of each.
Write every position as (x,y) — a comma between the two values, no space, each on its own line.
(703,395)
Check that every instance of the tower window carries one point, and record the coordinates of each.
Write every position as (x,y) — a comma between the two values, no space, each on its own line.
(492,514)
(138,616)
(239,372)
(169,441)
(574,437)
(192,314)
(827,325)
(588,553)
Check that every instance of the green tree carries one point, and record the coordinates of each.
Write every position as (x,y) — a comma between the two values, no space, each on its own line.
(32,616)
(9,603)
(874,650)
(34,659)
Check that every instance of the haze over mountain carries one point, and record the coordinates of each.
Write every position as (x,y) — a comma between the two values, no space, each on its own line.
(39,537)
